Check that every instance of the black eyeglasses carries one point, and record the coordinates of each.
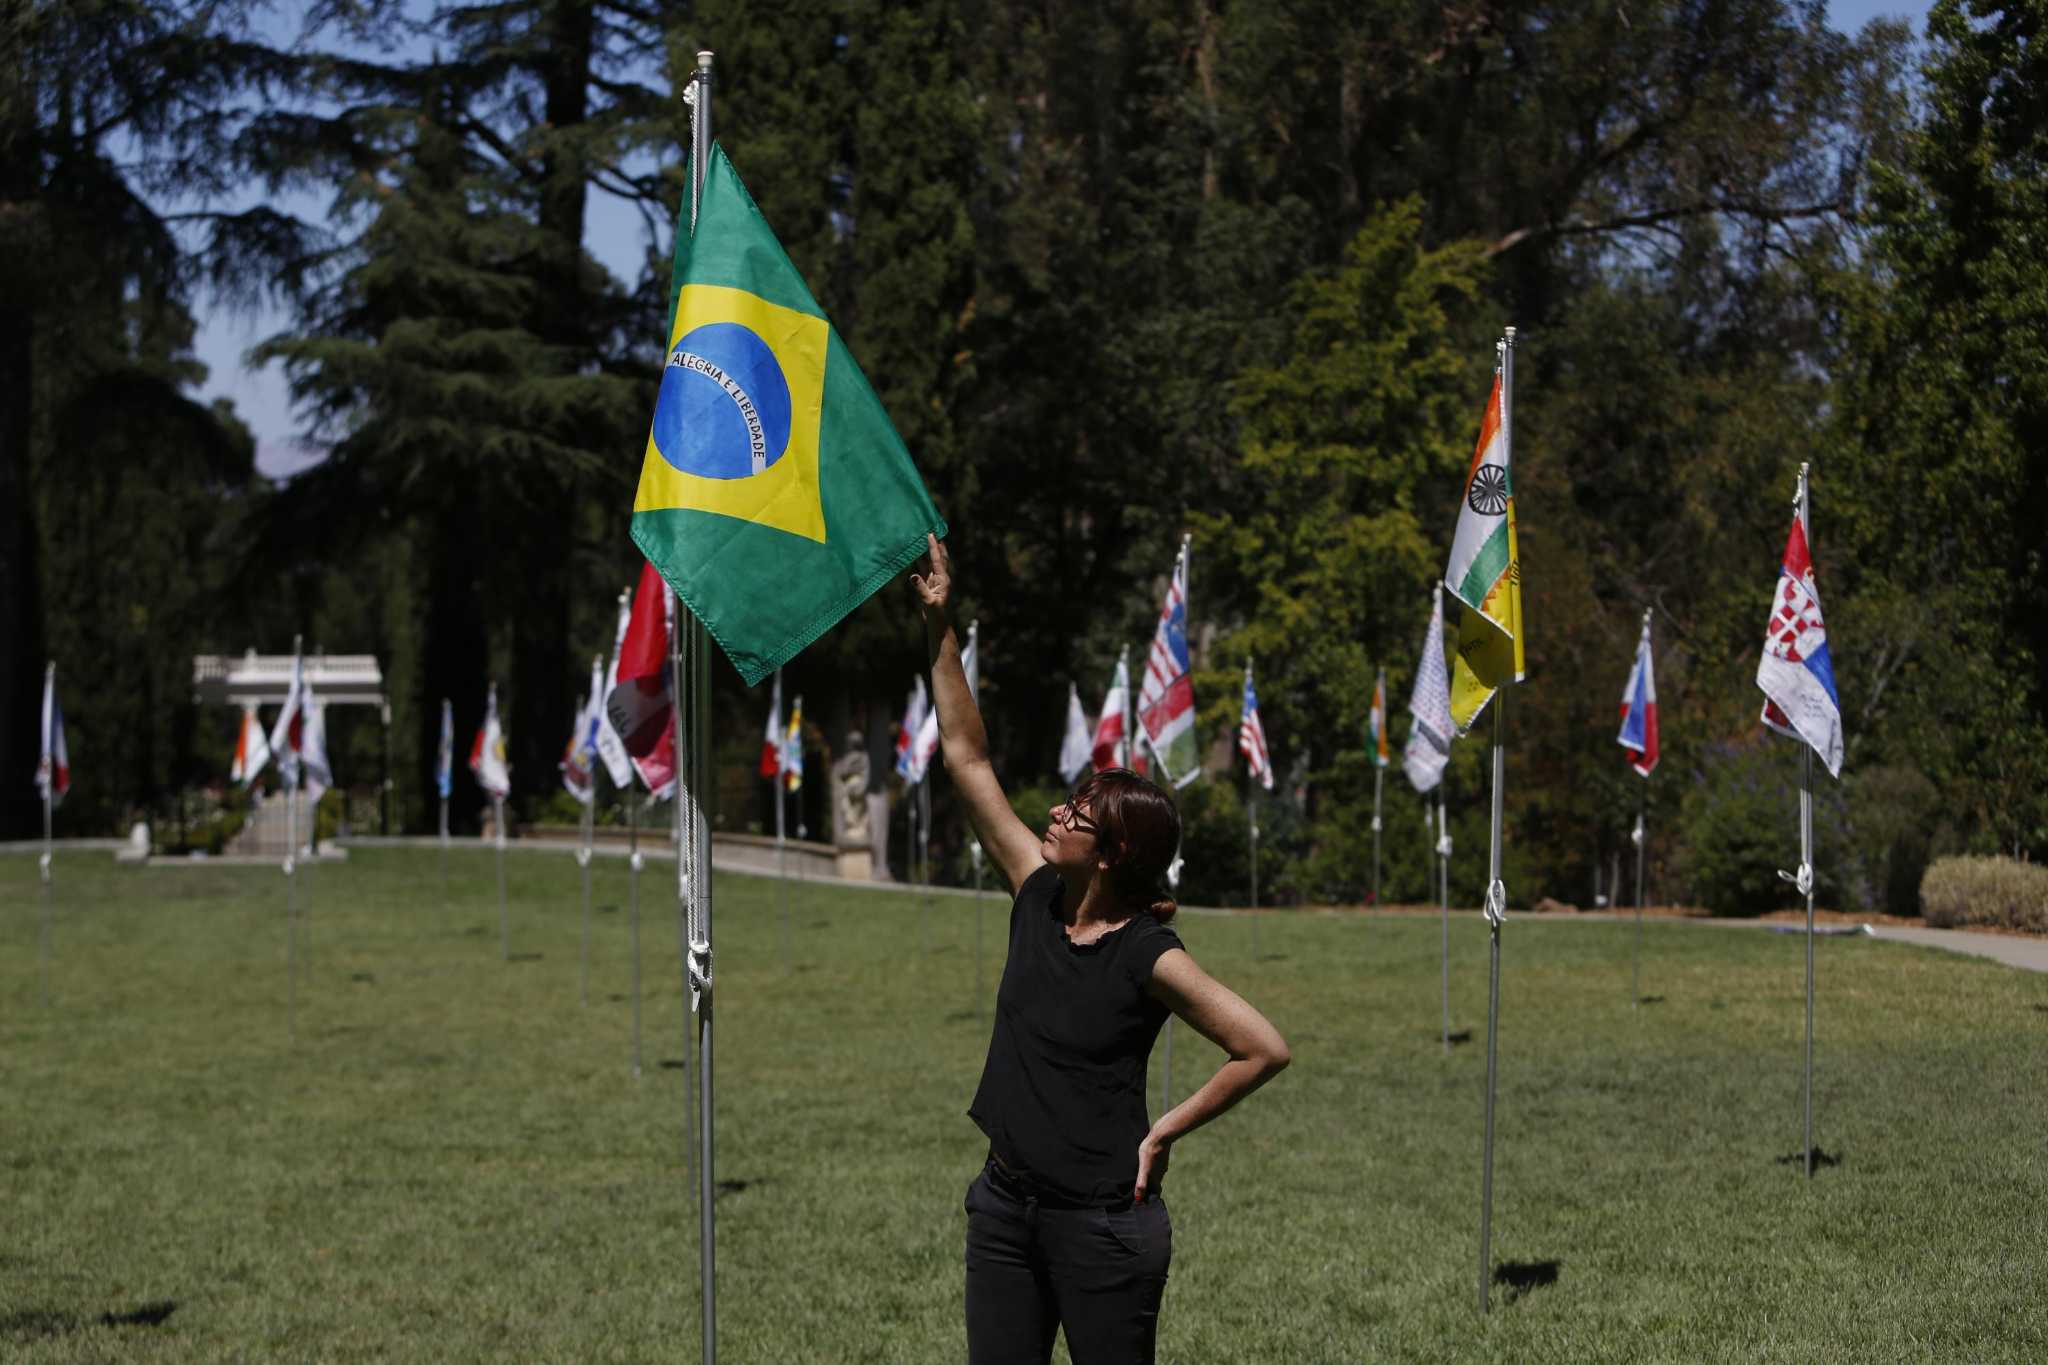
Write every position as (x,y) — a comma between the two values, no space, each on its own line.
(1070,818)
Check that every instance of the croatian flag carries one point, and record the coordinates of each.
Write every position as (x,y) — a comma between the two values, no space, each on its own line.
(53,772)
(1166,700)
(1639,709)
(1795,671)
(1251,734)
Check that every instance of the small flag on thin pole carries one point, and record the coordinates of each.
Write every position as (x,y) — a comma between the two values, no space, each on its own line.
(1111,748)
(1077,744)
(1797,674)
(1377,723)
(53,780)
(1638,737)
(1485,574)
(1166,699)
(1251,742)
(487,763)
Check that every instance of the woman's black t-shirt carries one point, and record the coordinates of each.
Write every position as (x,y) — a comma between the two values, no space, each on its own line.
(1062,1095)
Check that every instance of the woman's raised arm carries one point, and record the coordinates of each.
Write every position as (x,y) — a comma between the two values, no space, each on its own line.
(961,736)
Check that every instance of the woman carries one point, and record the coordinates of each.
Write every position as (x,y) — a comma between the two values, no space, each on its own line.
(1065,1223)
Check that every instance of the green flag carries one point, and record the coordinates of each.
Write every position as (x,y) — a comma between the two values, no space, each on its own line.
(775,495)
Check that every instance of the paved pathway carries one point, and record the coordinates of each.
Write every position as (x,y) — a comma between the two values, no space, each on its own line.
(2030,954)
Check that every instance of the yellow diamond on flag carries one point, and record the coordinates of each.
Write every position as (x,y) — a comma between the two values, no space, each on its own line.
(735,428)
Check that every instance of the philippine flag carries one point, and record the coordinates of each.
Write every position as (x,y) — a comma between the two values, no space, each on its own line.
(1639,709)
(1795,672)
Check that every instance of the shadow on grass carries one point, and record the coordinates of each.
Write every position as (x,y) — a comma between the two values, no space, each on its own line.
(1520,1277)
(1820,1159)
(726,1187)
(367,978)
(1460,1037)
(525,957)
(674,1064)
(34,1324)
(1649,1000)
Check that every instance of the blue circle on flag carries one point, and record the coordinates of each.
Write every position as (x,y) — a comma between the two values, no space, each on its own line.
(724,407)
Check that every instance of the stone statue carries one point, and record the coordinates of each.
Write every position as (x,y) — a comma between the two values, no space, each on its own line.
(850,795)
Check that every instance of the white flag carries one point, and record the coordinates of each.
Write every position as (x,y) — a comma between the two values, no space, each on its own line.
(1429,703)
(285,731)
(319,775)
(1079,744)
(927,743)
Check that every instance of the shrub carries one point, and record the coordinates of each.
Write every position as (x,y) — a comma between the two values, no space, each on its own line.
(1739,826)
(2000,891)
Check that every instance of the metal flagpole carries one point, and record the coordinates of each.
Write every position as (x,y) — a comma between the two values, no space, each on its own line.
(974,852)
(1496,912)
(1638,837)
(924,857)
(1804,879)
(444,843)
(1443,872)
(700,768)
(1379,777)
(583,855)
(291,866)
(49,845)
(1496,892)
(779,782)
(504,916)
(1251,810)
(634,862)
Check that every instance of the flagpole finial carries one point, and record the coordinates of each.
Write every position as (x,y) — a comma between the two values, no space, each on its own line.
(1510,336)
(1646,618)
(297,643)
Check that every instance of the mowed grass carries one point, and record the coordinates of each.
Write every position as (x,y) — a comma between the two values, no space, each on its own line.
(454,1161)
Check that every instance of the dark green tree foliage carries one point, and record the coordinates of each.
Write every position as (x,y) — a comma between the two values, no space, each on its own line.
(471,367)
(119,497)
(1939,470)
(1324,552)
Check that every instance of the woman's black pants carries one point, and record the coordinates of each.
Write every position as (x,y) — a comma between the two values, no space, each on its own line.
(1031,1268)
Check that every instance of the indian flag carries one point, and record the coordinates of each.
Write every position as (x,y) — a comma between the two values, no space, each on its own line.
(1485,571)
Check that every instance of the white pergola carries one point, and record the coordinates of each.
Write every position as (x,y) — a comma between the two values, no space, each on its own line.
(254,679)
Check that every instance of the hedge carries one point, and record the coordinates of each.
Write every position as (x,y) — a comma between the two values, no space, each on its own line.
(1998,891)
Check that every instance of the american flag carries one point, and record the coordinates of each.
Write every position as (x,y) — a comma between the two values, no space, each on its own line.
(1251,734)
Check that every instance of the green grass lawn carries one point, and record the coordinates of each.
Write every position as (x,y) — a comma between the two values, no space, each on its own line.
(454,1161)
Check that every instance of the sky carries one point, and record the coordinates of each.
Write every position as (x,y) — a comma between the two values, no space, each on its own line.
(615,236)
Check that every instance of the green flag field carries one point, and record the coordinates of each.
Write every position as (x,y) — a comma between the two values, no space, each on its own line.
(454,1161)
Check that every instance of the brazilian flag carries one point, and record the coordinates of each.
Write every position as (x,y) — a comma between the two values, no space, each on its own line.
(775,495)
